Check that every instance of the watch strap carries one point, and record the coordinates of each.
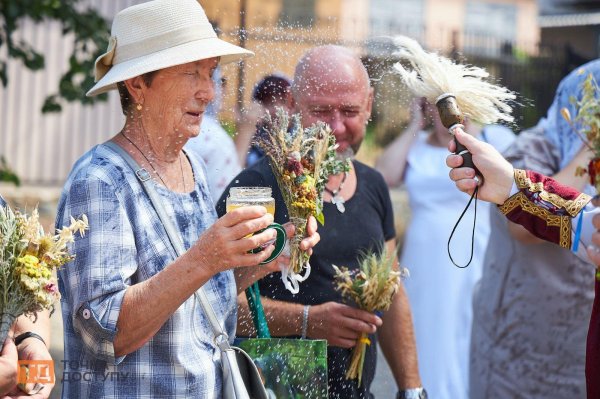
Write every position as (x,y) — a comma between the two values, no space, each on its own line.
(412,393)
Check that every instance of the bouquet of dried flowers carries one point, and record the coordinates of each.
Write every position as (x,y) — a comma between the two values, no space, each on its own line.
(302,159)
(27,259)
(586,124)
(371,288)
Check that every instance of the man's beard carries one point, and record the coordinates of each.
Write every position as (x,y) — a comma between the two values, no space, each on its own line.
(348,153)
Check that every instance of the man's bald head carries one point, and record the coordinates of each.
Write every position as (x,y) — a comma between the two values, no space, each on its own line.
(332,85)
(325,68)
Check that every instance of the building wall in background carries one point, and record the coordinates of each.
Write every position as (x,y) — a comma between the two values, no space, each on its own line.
(42,148)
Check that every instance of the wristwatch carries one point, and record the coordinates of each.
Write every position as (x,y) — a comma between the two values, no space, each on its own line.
(412,393)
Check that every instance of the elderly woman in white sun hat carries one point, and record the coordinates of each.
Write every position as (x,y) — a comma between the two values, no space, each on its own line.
(132,326)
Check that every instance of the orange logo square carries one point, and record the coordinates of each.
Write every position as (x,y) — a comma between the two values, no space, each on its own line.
(36,371)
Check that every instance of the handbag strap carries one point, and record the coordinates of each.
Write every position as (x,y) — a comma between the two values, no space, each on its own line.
(221,338)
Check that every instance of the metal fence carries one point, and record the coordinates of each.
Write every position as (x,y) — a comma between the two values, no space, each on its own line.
(534,77)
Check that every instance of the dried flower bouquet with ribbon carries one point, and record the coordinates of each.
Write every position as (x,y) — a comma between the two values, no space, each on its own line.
(302,159)
(27,259)
(371,288)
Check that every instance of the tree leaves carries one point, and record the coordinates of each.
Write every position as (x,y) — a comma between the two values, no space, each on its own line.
(6,173)
(90,35)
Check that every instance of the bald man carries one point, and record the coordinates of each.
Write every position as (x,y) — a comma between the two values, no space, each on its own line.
(332,85)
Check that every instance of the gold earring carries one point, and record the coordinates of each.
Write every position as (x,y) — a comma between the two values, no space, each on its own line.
(138,106)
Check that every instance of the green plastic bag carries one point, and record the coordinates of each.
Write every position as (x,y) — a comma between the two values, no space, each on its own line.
(291,368)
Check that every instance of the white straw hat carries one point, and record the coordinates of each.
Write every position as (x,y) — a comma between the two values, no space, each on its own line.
(156,35)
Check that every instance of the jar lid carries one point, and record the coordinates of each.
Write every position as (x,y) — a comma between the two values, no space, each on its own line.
(250,192)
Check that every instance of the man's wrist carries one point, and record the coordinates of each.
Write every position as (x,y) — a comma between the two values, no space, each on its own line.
(412,393)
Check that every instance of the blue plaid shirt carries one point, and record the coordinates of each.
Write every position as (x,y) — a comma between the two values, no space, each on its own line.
(126,244)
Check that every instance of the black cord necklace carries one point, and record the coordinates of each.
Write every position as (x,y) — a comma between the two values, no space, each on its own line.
(336,198)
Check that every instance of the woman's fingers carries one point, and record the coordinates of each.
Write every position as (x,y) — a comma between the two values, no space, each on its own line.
(255,241)
(466,185)
(452,148)
(235,234)
(247,227)
(242,214)
(250,259)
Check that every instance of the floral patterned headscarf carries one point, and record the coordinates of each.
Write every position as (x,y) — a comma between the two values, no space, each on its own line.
(554,126)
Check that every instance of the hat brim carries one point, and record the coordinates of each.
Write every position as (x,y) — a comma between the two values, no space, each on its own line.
(182,54)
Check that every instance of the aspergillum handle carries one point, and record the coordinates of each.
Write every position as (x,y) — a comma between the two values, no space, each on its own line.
(452,118)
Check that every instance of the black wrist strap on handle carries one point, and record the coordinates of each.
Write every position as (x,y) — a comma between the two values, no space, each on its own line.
(474,195)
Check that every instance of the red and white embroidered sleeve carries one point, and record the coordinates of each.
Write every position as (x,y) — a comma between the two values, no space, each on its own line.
(544,207)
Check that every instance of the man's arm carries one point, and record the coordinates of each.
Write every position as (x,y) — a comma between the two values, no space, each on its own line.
(397,338)
(284,318)
(339,324)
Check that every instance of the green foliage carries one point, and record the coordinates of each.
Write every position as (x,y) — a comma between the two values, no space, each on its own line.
(588,111)
(586,122)
(6,174)
(90,34)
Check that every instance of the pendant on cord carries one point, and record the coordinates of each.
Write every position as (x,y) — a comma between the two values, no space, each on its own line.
(336,198)
(339,201)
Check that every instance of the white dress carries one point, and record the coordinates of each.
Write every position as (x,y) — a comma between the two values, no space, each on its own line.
(439,292)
